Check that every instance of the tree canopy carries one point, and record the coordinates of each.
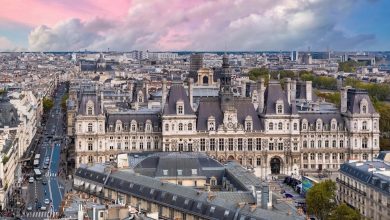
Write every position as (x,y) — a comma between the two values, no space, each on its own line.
(320,199)
(257,73)
(344,212)
(348,66)
(47,104)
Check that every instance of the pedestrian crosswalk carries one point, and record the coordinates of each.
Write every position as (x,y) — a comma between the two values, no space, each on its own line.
(48,174)
(41,214)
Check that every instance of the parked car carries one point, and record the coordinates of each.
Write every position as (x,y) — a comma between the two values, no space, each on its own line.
(44,182)
(43,208)
(47,201)
(29,208)
(31,180)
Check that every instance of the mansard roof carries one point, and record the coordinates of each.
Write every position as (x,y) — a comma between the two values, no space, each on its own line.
(87,97)
(354,97)
(177,93)
(326,117)
(139,117)
(211,107)
(273,93)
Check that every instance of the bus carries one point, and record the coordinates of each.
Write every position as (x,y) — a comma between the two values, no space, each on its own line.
(37,174)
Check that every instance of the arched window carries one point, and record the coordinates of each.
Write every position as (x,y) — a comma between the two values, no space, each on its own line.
(312,156)
(333,143)
(89,110)
(364,125)
(305,156)
(305,144)
(190,126)
(180,126)
(341,143)
(280,126)
(304,126)
(89,127)
(271,126)
(312,144)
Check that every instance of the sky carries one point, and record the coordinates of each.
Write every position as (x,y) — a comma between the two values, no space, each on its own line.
(201,25)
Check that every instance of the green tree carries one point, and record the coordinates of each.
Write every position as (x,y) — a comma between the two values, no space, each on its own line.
(47,104)
(256,73)
(320,199)
(332,97)
(348,66)
(63,101)
(344,212)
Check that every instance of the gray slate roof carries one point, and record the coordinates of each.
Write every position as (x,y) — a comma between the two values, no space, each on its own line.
(177,93)
(273,93)
(326,117)
(139,117)
(354,97)
(211,107)
(85,97)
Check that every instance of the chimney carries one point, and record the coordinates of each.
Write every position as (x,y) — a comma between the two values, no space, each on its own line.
(260,94)
(343,94)
(309,90)
(164,93)
(288,89)
(293,90)
(243,89)
(101,101)
(131,88)
(190,91)
(146,91)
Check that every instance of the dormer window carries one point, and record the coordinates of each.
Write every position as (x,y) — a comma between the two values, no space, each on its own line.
(248,123)
(211,123)
(363,106)
(90,109)
(133,126)
(180,107)
(140,96)
(279,107)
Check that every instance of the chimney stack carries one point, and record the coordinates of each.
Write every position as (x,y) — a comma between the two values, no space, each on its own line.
(146,91)
(243,89)
(343,94)
(309,90)
(190,91)
(164,93)
(288,90)
(293,90)
(260,94)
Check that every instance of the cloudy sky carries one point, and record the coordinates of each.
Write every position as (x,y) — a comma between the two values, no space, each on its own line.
(159,25)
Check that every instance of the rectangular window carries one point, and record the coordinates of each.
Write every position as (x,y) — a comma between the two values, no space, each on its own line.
(212,144)
(258,144)
(221,144)
(180,147)
(202,144)
(148,145)
(118,146)
(90,146)
(240,144)
(155,145)
(230,144)
(250,144)
(141,145)
(126,145)
(271,146)
(280,146)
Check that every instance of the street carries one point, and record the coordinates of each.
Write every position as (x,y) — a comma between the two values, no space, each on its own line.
(45,194)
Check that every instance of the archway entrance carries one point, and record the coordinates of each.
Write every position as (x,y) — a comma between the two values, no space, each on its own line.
(275,165)
(231,157)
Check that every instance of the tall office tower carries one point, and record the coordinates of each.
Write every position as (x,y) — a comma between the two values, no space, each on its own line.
(294,55)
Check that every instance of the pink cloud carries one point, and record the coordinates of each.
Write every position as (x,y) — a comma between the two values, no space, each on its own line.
(47,12)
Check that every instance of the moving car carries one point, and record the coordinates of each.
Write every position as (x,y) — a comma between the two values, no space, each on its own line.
(47,201)
(43,208)
(44,182)
(29,208)
(31,180)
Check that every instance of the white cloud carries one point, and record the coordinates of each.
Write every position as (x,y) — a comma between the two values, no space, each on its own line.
(8,46)
(208,25)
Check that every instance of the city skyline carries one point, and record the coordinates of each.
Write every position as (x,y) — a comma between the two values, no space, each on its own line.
(194,25)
